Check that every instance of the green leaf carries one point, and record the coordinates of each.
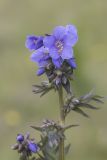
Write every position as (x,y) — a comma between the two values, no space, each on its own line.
(43,88)
(49,153)
(87,106)
(87,97)
(37,128)
(70,126)
(97,96)
(97,100)
(46,91)
(24,157)
(78,110)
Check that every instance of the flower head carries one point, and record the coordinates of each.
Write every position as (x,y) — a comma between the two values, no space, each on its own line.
(34,42)
(61,41)
(53,49)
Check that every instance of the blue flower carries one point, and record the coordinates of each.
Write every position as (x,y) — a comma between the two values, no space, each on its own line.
(41,56)
(20,138)
(33,147)
(34,42)
(57,47)
(60,42)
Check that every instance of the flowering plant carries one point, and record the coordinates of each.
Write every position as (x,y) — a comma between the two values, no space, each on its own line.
(54,56)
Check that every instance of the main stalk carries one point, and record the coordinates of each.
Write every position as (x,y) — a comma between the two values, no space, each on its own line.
(62,121)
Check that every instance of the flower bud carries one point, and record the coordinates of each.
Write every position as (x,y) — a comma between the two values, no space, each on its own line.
(20,138)
(33,147)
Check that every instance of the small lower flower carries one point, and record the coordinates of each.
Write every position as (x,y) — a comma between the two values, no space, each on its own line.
(20,138)
(25,145)
(33,147)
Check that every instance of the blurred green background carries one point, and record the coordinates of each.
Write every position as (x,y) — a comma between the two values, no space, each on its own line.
(19,107)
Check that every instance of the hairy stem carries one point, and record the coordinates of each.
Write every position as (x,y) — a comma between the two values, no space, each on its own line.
(62,121)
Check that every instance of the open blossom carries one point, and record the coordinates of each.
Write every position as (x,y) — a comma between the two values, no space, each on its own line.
(60,43)
(34,42)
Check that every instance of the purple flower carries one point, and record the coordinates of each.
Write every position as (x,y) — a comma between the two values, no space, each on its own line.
(41,56)
(33,147)
(56,47)
(60,42)
(34,42)
(20,138)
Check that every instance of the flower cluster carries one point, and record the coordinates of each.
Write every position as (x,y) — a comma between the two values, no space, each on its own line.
(25,145)
(55,48)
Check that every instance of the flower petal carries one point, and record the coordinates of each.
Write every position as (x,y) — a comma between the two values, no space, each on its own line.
(36,56)
(34,42)
(73,36)
(67,53)
(72,63)
(57,62)
(54,53)
(59,32)
(40,71)
(39,42)
(42,63)
(40,54)
(49,41)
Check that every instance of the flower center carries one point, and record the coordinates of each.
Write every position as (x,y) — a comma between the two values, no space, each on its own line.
(35,41)
(59,46)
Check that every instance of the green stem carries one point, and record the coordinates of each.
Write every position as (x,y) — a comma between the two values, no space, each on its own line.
(62,121)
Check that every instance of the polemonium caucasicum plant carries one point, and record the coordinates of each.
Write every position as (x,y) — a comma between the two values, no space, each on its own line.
(54,55)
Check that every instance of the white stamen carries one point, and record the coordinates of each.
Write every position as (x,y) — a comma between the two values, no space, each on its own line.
(59,46)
